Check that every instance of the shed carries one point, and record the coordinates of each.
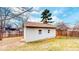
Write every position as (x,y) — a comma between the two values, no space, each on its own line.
(34,31)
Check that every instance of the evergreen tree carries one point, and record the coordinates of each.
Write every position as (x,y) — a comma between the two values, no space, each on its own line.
(46,16)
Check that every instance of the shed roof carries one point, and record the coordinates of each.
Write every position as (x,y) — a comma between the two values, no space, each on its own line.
(38,25)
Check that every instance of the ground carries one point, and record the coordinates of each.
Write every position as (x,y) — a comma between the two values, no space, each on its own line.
(56,44)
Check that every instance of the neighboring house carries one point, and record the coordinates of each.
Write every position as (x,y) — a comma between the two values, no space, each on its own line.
(34,31)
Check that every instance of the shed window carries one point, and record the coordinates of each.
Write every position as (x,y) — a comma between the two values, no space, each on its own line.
(48,31)
(40,31)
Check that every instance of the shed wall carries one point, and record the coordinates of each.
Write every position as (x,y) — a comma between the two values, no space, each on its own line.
(32,34)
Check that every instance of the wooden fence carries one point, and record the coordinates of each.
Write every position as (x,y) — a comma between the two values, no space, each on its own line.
(12,34)
(67,33)
(73,33)
(61,33)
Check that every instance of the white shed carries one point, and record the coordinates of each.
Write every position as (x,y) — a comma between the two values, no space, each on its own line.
(34,31)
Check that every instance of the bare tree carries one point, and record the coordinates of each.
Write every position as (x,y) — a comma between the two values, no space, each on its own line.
(7,13)
(76,27)
(62,29)
(62,26)
(25,13)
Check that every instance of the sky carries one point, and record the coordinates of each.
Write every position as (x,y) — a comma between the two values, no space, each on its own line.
(69,15)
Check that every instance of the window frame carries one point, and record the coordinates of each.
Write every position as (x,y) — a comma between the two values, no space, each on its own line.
(48,31)
(39,31)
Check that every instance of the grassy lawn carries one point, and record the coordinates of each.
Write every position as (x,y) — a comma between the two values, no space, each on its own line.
(56,44)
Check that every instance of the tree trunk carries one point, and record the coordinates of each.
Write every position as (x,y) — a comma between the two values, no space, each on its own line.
(1,30)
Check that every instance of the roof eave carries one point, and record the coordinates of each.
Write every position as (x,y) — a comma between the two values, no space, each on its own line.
(40,27)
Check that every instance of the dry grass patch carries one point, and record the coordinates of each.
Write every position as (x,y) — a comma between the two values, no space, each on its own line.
(12,42)
(56,44)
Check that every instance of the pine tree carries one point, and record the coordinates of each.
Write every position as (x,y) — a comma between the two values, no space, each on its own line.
(46,16)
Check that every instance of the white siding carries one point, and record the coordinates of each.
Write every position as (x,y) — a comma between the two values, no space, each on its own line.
(32,34)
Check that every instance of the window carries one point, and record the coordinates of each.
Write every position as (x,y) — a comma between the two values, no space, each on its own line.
(40,31)
(48,31)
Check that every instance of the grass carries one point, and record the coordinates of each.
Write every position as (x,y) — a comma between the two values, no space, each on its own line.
(56,44)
